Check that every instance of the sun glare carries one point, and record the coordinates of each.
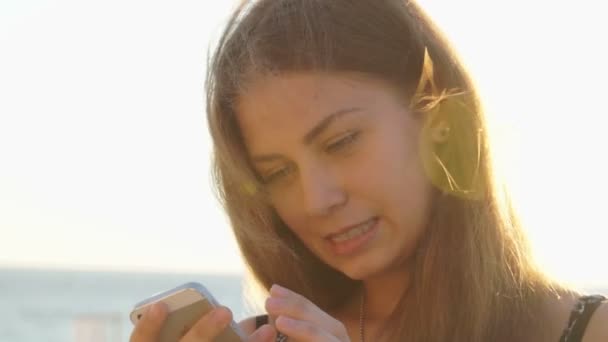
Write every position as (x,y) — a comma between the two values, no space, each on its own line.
(541,81)
(102,143)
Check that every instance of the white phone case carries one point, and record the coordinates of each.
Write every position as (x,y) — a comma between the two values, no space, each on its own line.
(186,304)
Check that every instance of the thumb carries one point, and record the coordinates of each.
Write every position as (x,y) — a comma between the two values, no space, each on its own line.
(265,333)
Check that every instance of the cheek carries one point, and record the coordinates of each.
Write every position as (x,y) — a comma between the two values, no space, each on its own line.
(393,184)
(387,161)
(291,214)
(390,173)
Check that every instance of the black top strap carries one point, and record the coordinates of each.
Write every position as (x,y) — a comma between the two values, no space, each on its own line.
(580,316)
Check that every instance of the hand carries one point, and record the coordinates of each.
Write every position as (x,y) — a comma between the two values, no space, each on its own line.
(301,320)
(205,330)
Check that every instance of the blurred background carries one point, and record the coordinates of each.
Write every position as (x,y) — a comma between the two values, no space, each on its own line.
(105,193)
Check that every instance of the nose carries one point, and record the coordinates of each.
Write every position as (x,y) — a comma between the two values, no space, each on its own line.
(322,191)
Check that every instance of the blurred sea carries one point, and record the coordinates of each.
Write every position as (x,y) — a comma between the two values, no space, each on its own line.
(71,306)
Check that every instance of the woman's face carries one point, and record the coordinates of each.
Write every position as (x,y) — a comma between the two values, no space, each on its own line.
(339,157)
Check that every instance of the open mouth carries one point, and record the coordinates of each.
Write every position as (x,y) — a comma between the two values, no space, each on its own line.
(354,232)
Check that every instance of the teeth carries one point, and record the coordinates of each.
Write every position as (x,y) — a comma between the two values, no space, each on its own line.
(358,230)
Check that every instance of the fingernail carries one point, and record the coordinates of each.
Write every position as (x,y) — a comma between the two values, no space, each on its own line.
(219,315)
(284,322)
(157,310)
(274,303)
(278,290)
(266,333)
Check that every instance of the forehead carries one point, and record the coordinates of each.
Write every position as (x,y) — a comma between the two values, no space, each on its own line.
(299,94)
(284,107)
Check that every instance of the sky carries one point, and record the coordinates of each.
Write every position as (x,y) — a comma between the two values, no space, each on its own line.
(104,149)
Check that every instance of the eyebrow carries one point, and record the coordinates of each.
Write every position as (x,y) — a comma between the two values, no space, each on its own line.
(326,122)
(312,133)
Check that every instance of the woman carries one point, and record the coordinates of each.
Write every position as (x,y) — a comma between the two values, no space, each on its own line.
(352,156)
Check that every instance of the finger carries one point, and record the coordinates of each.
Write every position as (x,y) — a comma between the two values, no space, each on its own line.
(265,333)
(292,304)
(284,302)
(209,326)
(148,327)
(303,331)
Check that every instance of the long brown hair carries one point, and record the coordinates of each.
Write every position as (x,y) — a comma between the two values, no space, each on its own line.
(474,277)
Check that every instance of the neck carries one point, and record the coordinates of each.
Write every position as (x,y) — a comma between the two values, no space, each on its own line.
(383,292)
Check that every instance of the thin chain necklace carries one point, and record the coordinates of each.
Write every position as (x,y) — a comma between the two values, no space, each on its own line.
(362,318)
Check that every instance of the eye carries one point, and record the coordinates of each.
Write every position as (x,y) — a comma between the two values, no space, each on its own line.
(276,174)
(342,142)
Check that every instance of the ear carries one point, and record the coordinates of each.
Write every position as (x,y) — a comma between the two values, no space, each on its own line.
(451,149)
(440,132)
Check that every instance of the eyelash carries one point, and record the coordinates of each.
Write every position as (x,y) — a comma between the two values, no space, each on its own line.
(276,174)
(336,146)
(343,142)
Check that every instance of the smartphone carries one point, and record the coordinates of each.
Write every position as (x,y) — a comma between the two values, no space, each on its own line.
(186,304)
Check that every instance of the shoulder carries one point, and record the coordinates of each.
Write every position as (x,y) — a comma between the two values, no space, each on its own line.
(597,330)
(249,325)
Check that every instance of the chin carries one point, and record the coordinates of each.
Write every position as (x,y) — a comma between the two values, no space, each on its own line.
(356,275)
(370,266)
(360,269)
(363,266)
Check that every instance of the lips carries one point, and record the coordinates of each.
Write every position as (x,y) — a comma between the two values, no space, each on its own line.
(351,231)
(353,239)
